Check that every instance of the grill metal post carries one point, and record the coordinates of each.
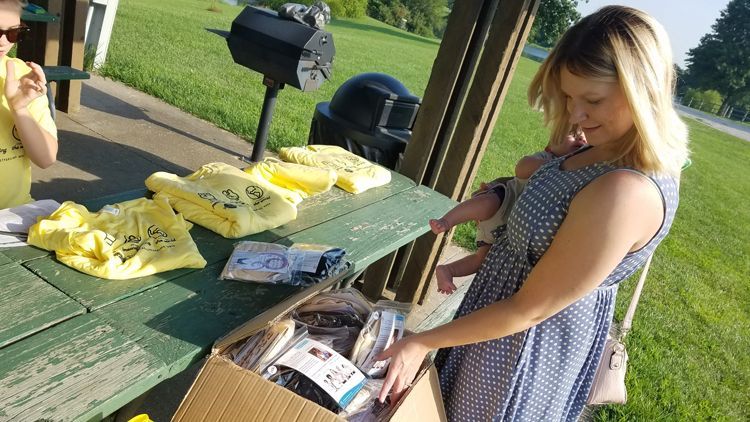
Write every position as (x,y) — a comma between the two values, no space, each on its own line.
(266,115)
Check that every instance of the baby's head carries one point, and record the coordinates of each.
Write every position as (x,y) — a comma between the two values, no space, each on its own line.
(571,142)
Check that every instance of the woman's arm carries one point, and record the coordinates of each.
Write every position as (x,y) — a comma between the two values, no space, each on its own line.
(617,213)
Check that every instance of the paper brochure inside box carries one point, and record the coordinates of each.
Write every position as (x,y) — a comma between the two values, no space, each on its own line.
(225,391)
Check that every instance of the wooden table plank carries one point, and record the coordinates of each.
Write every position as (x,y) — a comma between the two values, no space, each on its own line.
(94,292)
(370,233)
(24,253)
(4,259)
(81,369)
(179,320)
(29,305)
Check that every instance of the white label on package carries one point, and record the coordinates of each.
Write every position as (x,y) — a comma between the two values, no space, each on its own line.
(272,262)
(306,261)
(391,330)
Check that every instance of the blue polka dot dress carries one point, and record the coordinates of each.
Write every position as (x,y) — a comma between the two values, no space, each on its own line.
(545,372)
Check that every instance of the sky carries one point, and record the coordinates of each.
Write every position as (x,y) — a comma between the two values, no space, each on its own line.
(686,21)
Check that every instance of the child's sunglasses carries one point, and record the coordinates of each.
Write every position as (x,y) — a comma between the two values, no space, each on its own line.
(15,33)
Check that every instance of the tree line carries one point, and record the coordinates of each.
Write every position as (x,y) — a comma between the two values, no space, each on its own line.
(719,67)
(428,17)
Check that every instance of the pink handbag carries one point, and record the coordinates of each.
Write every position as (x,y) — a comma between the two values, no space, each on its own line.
(608,386)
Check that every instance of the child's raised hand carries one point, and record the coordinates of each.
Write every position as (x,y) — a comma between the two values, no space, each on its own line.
(21,92)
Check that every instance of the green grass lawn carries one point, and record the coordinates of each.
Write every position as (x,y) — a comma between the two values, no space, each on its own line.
(689,346)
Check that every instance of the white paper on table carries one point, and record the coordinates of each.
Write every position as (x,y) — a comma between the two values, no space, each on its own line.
(11,241)
(19,219)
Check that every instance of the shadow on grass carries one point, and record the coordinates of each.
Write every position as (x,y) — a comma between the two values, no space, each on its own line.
(364,27)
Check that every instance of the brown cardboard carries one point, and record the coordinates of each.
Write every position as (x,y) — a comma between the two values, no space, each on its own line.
(226,392)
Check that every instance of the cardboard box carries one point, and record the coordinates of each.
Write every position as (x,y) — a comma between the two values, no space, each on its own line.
(225,392)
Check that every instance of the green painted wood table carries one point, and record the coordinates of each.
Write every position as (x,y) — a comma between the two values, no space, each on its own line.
(76,347)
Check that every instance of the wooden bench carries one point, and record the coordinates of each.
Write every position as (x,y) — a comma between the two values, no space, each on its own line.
(75,347)
(57,74)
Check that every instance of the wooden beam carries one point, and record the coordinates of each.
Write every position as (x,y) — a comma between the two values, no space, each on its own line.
(457,56)
(71,53)
(460,44)
(511,23)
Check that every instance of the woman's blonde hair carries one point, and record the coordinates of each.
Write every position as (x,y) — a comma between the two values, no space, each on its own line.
(630,46)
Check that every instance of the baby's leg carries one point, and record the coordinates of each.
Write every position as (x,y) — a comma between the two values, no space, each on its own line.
(480,207)
(464,266)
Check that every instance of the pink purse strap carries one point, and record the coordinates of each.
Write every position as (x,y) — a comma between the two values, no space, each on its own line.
(627,323)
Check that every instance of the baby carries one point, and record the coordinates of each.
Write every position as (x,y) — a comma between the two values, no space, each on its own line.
(491,207)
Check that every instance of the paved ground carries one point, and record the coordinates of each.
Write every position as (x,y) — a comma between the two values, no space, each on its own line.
(727,126)
(120,137)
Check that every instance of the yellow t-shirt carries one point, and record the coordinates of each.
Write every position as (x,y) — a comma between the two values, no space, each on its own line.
(304,180)
(15,167)
(122,241)
(355,174)
(227,200)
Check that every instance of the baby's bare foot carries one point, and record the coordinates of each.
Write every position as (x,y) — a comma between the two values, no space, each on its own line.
(444,279)
(439,226)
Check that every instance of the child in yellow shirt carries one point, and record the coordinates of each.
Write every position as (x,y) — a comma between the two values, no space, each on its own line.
(27,131)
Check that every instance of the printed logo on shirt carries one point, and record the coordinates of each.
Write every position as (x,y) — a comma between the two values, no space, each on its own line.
(232,195)
(254,192)
(15,134)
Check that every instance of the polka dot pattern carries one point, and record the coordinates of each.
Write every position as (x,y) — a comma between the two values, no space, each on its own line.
(545,372)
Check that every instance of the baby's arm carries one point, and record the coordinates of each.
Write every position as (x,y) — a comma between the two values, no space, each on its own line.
(478,208)
(39,145)
(527,165)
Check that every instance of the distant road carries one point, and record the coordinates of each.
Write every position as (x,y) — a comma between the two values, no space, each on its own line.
(727,126)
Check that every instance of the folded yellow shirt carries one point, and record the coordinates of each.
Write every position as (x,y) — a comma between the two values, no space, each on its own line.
(227,200)
(122,241)
(304,180)
(355,174)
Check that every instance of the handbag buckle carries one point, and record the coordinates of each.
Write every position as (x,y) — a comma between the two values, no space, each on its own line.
(617,360)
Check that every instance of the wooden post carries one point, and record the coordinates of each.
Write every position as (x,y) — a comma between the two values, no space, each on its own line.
(71,53)
(456,58)
(43,44)
(511,24)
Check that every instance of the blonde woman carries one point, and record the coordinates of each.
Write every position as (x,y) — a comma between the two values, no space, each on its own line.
(529,334)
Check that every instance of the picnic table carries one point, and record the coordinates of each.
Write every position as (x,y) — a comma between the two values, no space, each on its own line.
(76,347)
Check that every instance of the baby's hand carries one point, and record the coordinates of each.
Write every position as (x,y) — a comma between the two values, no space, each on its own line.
(444,277)
(439,226)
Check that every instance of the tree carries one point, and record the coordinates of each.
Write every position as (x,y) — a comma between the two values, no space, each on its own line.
(553,17)
(721,61)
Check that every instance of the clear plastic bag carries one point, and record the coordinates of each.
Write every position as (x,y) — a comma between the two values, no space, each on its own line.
(301,264)
(384,326)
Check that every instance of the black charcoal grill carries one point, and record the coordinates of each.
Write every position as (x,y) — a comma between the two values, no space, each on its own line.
(286,52)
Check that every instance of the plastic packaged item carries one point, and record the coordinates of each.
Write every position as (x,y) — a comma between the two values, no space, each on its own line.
(299,265)
(335,318)
(260,349)
(384,327)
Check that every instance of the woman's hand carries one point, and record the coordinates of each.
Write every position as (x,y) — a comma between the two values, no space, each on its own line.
(406,356)
(21,92)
